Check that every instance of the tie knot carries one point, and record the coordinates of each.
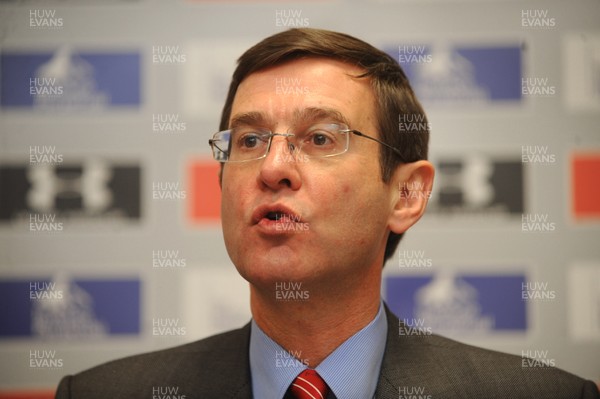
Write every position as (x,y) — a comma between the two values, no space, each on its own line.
(309,385)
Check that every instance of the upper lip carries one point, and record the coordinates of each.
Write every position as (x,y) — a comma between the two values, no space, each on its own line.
(263,211)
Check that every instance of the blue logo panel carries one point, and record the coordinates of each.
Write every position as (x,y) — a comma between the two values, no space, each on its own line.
(462,73)
(67,79)
(462,302)
(63,308)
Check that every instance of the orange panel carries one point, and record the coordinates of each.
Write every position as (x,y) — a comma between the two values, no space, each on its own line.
(204,191)
(585,174)
(27,395)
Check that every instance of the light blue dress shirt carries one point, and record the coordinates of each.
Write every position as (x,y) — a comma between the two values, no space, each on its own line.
(351,371)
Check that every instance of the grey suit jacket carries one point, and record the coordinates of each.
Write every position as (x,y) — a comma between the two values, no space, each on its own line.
(414,366)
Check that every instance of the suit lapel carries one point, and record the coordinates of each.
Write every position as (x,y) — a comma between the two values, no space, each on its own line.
(231,362)
(388,376)
(241,380)
(401,364)
(410,363)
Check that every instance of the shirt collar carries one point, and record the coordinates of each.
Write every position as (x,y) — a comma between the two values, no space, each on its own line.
(351,370)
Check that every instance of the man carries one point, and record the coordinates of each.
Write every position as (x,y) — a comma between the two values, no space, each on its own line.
(318,187)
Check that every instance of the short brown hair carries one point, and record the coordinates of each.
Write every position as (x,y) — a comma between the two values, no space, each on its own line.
(394,95)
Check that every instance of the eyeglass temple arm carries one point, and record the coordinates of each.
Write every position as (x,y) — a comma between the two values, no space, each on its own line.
(397,151)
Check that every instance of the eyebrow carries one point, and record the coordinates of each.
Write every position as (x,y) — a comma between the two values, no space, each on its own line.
(305,115)
(313,114)
(248,119)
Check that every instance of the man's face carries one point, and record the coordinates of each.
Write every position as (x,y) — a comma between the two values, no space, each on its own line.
(333,212)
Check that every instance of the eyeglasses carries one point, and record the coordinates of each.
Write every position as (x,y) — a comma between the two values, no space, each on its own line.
(319,141)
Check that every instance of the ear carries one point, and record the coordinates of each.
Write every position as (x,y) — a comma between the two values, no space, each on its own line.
(412,183)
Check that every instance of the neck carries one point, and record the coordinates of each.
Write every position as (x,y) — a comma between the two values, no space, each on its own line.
(314,319)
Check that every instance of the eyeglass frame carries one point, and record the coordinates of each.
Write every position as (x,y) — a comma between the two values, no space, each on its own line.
(270,134)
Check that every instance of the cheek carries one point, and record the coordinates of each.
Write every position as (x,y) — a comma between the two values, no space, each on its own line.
(356,202)
(356,222)
(364,202)
(234,196)
(226,190)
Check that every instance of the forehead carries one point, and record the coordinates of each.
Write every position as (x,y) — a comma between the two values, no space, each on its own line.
(283,93)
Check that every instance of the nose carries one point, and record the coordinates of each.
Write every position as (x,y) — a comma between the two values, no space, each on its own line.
(279,168)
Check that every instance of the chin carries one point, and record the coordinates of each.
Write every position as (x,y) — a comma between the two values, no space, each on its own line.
(266,272)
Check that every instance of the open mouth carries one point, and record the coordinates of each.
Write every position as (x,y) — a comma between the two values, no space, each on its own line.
(279,216)
(276,214)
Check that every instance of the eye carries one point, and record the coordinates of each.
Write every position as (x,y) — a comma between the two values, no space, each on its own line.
(249,139)
(320,139)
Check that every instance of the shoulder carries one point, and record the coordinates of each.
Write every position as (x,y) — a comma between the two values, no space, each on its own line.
(452,369)
(186,367)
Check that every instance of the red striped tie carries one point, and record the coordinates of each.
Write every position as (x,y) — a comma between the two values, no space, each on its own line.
(309,385)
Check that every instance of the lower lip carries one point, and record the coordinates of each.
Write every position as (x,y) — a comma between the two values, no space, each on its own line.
(279,227)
